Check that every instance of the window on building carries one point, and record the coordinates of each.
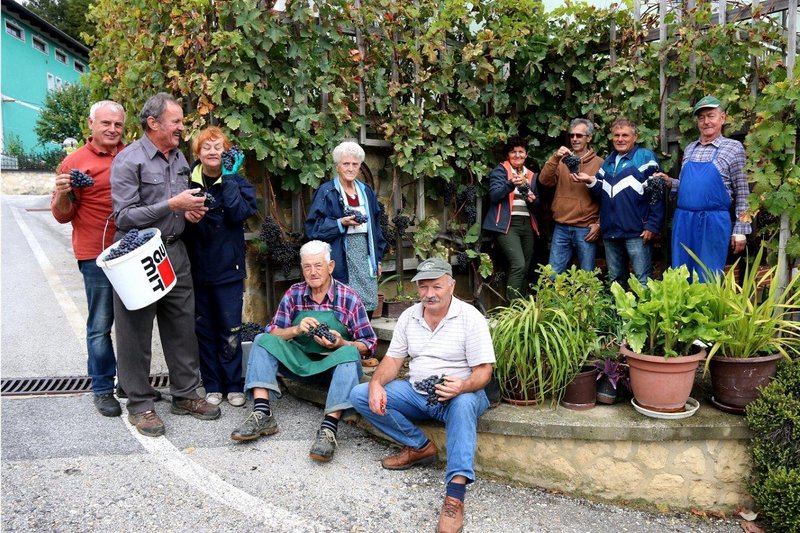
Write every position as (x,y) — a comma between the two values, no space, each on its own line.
(51,82)
(59,84)
(80,67)
(61,57)
(39,44)
(15,31)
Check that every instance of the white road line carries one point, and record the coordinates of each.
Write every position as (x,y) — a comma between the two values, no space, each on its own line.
(209,483)
(74,316)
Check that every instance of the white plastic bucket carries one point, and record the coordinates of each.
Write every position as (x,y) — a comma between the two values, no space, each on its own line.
(142,276)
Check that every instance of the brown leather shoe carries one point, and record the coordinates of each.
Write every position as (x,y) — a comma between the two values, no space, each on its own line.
(451,519)
(197,407)
(409,457)
(147,423)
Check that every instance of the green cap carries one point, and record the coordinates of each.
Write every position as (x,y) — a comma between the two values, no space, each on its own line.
(706,102)
(433,269)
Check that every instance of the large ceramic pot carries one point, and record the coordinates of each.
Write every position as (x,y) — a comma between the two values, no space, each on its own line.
(513,393)
(662,384)
(736,381)
(581,393)
(606,392)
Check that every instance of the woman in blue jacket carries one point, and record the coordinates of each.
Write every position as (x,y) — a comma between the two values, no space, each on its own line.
(512,197)
(217,252)
(356,245)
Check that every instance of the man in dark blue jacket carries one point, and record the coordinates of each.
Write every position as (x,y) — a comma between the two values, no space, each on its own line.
(630,216)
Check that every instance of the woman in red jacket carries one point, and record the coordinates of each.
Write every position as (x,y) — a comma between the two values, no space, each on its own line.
(512,196)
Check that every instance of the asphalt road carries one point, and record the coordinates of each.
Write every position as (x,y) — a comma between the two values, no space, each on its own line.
(66,468)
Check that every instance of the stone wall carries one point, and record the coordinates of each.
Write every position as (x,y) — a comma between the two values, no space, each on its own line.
(27,182)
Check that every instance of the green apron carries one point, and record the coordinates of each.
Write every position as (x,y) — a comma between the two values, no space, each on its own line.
(303,355)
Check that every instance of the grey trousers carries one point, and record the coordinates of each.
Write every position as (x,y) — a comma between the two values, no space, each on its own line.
(134,332)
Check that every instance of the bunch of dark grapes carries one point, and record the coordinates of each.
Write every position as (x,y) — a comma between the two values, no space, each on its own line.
(449,192)
(322,330)
(229,156)
(249,330)
(573,163)
(462,261)
(654,189)
(209,197)
(388,231)
(401,222)
(524,189)
(469,198)
(131,241)
(78,179)
(285,253)
(428,386)
(360,217)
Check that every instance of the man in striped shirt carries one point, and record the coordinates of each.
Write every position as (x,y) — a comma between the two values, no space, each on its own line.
(448,342)
(318,335)
(712,177)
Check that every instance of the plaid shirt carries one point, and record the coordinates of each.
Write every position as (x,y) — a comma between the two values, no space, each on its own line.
(346,307)
(730,163)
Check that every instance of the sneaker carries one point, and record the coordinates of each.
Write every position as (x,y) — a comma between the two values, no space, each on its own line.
(409,457)
(324,446)
(147,423)
(214,398)
(451,519)
(236,399)
(107,405)
(197,407)
(256,425)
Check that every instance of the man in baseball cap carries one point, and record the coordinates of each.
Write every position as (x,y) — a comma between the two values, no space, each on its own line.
(451,362)
(712,178)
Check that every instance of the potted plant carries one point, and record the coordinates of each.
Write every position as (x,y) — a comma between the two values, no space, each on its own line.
(393,306)
(662,321)
(611,373)
(758,330)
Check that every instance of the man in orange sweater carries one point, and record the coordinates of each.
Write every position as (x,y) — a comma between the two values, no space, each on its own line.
(575,212)
(88,209)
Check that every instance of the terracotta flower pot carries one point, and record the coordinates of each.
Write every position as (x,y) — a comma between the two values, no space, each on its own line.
(393,309)
(581,393)
(512,392)
(662,384)
(736,381)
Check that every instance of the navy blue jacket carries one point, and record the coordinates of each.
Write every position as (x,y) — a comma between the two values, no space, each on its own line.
(625,210)
(501,197)
(216,243)
(322,223)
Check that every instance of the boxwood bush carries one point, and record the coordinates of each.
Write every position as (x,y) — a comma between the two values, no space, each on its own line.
(774,419)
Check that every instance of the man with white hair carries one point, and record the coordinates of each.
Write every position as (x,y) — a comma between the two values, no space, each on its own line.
(319,334)
(88,209)
(449,345)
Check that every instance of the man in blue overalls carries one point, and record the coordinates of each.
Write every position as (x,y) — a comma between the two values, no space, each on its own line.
(712,176)
(295,347)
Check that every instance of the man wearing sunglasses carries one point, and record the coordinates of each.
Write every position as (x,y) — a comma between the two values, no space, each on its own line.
(575,212)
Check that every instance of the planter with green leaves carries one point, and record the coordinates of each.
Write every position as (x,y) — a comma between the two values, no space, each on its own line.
(661,323)
(758,330)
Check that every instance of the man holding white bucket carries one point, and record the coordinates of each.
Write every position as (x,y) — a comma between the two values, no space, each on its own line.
(88,209)
(149,190)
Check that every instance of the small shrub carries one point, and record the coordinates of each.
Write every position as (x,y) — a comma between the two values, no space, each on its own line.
(774,419)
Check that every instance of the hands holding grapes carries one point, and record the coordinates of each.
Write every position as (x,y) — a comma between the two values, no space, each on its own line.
(63,183)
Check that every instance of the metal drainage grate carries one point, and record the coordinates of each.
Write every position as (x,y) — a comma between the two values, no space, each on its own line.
(61,385)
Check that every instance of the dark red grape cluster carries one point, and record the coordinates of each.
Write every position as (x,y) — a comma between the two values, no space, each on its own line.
(209,197)
(449,192)
(131,241)
(388,231)
(469,198)
(654,189)
(79,180)
(360,217)
(229,156)
(428,386)
(524,189)
(401,222)
(573,163)
(322,330)
(462,261)
(285,252)
(249,330)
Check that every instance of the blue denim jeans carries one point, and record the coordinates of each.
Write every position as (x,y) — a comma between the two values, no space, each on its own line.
(263,370)
(101,365)
(622,252)
(566,240)
(403,404)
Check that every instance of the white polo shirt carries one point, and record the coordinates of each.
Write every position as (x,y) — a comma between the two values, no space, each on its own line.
(460,342)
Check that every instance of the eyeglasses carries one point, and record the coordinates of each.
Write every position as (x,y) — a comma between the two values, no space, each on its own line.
(577,135)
